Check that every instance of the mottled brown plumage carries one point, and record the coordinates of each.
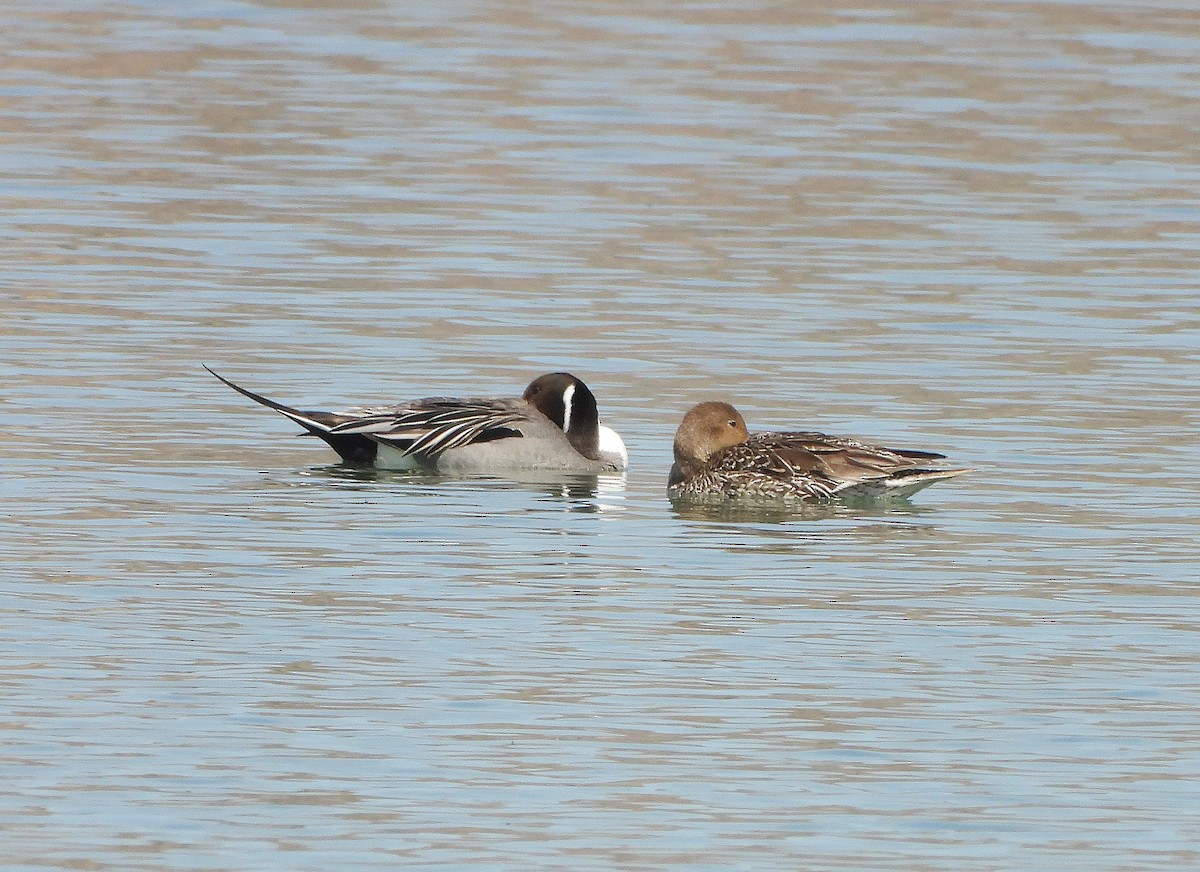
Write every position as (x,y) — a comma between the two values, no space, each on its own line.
(715,455)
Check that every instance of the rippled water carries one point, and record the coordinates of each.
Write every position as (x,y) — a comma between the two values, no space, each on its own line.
(965,226)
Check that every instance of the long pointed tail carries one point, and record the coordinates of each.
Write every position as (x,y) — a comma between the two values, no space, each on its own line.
(304,419)
(907,482)
(352,448)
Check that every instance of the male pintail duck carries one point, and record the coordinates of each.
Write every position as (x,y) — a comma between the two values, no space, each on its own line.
(554,425)
(716,456)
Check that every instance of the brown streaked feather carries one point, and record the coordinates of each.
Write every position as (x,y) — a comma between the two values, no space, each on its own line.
(773,468)
(842,459)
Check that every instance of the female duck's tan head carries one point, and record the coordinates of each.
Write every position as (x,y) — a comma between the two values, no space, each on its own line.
(704,431)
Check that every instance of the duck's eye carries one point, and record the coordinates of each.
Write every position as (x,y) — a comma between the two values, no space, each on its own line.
(733,424)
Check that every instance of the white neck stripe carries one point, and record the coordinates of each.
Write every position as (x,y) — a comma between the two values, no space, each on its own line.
(568,396)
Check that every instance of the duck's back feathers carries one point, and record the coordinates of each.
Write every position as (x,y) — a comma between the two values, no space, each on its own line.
(428,427)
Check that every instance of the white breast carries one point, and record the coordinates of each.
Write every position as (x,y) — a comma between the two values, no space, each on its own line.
(612,448)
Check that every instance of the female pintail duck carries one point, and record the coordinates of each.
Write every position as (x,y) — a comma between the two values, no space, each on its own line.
(716,456)
(553,426)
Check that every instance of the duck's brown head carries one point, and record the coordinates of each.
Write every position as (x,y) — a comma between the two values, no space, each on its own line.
(705,430)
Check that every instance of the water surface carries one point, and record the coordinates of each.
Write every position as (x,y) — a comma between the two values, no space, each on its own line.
(962,226)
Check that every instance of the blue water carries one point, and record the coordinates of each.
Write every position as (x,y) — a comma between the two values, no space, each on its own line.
(967,227)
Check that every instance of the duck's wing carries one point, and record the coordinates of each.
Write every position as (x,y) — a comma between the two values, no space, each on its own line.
(428,427)
(423,428)
(849,459)
(843,463)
